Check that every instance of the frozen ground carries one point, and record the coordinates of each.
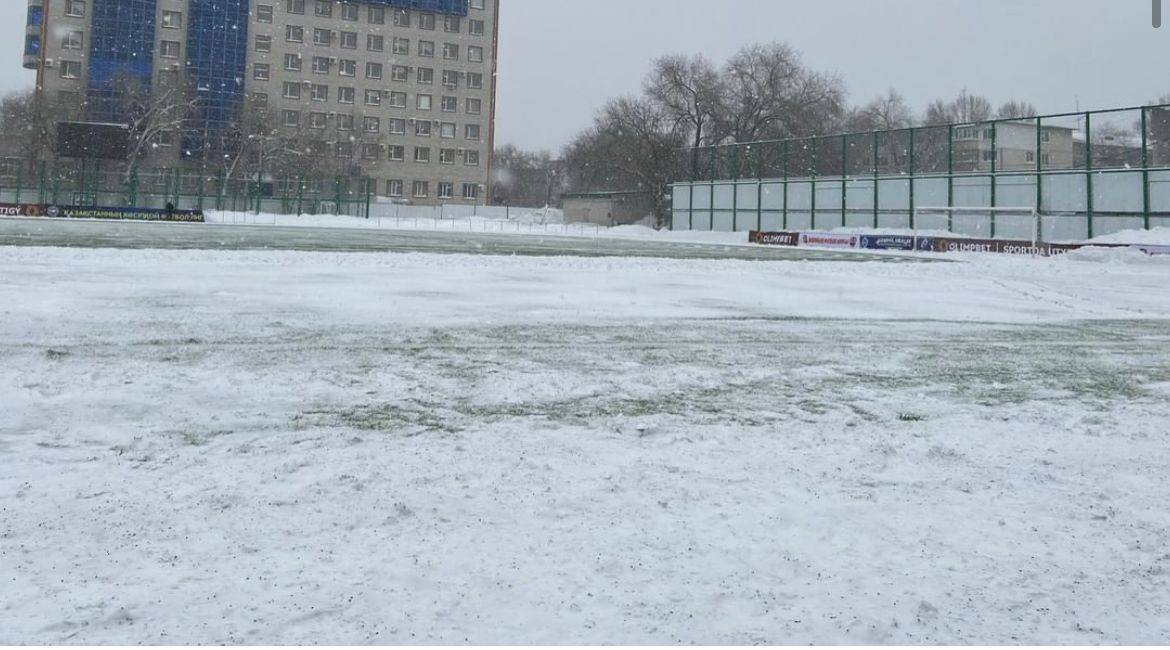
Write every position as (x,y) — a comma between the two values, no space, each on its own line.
(281,447)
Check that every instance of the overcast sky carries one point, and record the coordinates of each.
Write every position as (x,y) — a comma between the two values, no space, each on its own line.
(561,59)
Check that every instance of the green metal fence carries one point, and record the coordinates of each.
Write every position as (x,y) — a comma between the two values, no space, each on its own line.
(89,184)
(1088,173)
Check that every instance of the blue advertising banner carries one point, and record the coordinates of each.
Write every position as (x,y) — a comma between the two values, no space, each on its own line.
(888,242)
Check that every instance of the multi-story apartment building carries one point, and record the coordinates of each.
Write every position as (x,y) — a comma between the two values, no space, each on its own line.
(402,89)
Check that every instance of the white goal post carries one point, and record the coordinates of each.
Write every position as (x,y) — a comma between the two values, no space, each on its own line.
(951,211)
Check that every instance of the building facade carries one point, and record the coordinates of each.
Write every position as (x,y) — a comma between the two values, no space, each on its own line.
(400,91)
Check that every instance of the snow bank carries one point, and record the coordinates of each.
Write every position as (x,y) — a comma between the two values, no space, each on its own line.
(1153,236)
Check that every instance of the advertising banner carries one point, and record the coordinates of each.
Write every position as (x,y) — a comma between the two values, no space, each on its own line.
(135,214)
(889,242)
(774,238)
(823,240)
(21,210)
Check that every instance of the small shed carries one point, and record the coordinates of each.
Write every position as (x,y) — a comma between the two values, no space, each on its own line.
(607,208)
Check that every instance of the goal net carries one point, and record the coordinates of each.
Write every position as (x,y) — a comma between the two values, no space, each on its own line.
(991,223)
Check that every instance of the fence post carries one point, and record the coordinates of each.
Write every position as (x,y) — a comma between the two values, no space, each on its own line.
(912,170)
(1145,168)
(994,172)
(19,180)
(877,195)
(844,183)
(1040,175)
(1089,174)
(787,149)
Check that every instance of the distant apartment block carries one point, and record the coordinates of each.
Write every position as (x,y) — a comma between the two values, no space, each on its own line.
(402,91)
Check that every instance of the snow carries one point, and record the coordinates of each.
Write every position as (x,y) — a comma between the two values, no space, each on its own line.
(282,447)
(1152,236)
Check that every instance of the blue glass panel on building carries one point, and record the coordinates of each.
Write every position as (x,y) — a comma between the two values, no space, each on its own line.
(217,57)
(455,7)
(121,53)
(32,45)
(36,15)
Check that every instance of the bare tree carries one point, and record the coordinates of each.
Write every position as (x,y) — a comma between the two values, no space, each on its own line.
(772,95)
(1015,109)
(525,178)
(964,109)
(689,90)
(885,113)
(28,124)
(632,146)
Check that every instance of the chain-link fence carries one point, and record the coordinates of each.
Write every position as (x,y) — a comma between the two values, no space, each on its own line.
(88,184)
(1087,174)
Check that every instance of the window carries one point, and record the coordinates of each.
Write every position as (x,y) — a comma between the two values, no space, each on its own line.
(475,54)
(373,97)
(373,70)
(74,40)
(447,130)
(344,149)
(449,104)
(75,8)
(477,4)
(318,120)
(323,8)
(422,155)
(446,190)
(349,11)
(347,68)
(263,43)
(70,69)
(292,62)
(344,122)
(402,46)
(471,158)
(371,151)
(260,99)
(290,118)
(451,79)
(322,37)
(294,34)
(320,93)
(397,126)
(474,106)
(450,51)
(426,49)
(394,188)
(398,100)
(402,18)
(172,20)
(421,189)
(426,76)
(261,72)
(167,138)
(423,102)
(452,24)
(322,65)
(396,152)
(375,42)
(399,73)
(345,96)
(264,13)
(168,49)
(475,27)
(349,40)
(475,80)
(426,21)
(472,131)
(422,128)
(1030,156)
(291,90)
(446,156)
(988,156)
(294,6)
(377,15)
(470,191)
(371,124)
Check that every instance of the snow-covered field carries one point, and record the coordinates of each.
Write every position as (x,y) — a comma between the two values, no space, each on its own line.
(279,447)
